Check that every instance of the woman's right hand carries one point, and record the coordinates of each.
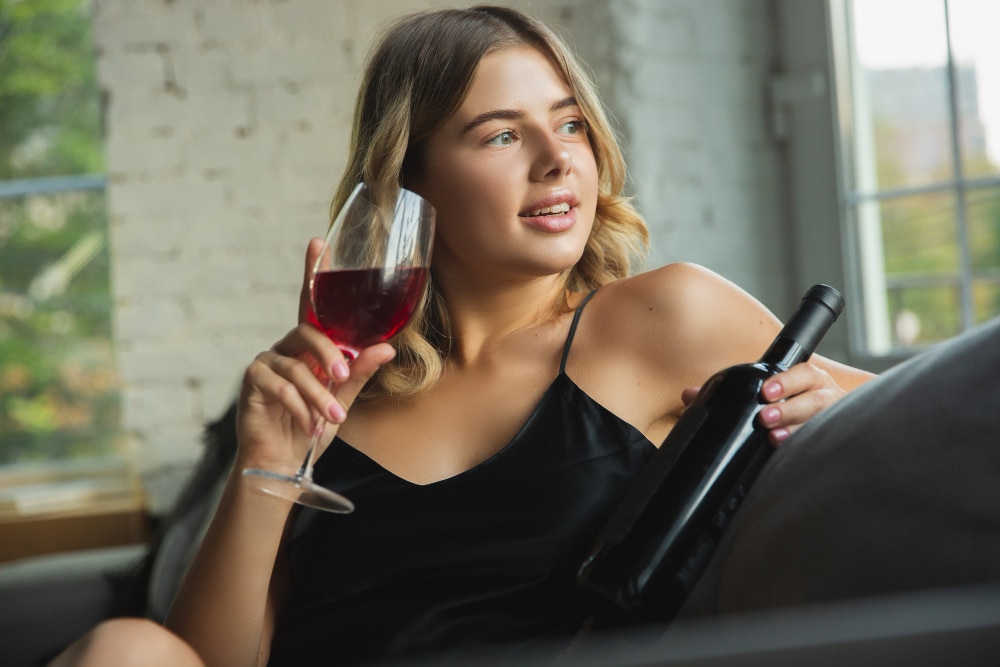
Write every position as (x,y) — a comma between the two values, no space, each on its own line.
(284,390)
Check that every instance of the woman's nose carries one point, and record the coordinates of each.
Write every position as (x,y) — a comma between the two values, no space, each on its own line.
(553,159)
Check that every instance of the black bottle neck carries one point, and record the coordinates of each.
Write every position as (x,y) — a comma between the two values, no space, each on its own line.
(797,340)
(785,353)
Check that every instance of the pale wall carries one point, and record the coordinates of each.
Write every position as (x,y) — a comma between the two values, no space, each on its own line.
(227,123)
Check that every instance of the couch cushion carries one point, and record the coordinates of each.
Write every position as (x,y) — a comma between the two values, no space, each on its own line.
(48,601)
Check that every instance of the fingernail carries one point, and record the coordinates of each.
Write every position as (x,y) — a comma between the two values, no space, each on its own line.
(772,390)
(336,412)
(340,371)
(770,415)
(779,435)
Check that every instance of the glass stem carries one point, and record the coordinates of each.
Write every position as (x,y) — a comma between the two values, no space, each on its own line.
(306,469)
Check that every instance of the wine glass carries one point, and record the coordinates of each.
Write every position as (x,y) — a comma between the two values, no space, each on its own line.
(364,287)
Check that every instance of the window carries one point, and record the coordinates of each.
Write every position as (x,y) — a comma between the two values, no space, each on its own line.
(918,110)
(59,412)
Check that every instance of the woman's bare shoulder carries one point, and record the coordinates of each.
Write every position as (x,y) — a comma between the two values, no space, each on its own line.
(694,321)
(685,295)
(683,313)
(645,338)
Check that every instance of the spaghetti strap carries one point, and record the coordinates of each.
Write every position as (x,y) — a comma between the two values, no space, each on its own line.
(572,330)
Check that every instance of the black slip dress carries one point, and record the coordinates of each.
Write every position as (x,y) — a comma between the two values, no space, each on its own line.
(481,563)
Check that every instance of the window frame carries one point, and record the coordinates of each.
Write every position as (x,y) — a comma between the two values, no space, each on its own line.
(855,195)
(826,240)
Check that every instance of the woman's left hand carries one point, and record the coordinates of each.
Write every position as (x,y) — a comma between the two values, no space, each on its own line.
(793,397)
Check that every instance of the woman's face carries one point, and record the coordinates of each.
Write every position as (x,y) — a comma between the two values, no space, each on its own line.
(511,174)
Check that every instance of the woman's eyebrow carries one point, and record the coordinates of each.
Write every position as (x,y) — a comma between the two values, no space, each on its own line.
(563,103)
(496,114)
(513,114)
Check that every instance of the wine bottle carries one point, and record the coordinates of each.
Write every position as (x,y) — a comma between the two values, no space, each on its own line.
(661,536)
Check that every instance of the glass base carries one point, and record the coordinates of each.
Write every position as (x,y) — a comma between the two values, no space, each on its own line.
(300,490)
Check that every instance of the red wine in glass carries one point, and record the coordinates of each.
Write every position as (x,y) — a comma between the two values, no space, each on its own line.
(357,308)
(368,280)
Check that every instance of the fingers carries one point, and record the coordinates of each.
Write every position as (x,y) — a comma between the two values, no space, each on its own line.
(308,375)
(688,395)
(308,343)
(361,370)
(794,397)
(274,379)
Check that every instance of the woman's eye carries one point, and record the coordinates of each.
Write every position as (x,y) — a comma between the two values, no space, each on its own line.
(505,138)
(573,127)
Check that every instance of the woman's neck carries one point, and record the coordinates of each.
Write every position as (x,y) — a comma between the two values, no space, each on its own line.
(482,320)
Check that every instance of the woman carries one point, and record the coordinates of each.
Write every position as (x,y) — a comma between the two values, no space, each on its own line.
(486,450)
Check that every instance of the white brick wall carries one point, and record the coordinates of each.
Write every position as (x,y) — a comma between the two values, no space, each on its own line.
(691,103)
(227,123)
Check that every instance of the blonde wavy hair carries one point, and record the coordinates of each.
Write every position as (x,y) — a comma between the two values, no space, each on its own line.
(416,77)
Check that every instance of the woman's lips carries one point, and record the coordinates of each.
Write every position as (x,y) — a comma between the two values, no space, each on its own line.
(553,222)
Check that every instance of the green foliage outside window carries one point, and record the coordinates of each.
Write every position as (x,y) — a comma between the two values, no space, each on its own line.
(49,101)
(58,388)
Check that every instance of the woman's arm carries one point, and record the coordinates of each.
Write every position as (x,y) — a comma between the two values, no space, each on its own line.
(226,606)
(220,607)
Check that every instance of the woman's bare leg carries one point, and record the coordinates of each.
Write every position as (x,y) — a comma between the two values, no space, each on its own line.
(128,642)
